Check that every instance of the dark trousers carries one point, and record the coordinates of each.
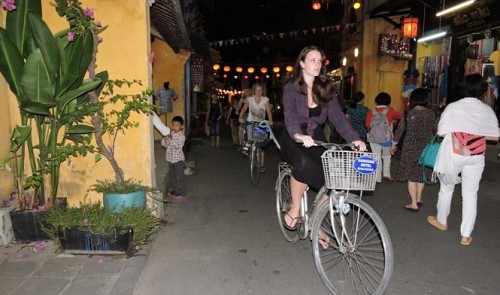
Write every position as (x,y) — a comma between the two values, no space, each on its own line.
(176,178)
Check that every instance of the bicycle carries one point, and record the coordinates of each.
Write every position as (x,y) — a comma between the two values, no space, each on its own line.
(359,258)
(256,136)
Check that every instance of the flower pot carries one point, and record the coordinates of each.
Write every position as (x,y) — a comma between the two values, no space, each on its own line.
(85,241)
(27,225)
(116,202)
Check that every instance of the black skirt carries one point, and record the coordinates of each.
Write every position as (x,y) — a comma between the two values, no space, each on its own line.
(306,162)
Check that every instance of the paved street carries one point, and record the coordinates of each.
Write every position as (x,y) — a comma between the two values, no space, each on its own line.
(224,239)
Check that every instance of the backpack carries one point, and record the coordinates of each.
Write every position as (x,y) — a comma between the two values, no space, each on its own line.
(379,127)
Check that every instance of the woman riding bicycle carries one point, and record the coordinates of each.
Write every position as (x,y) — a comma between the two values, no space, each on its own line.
(309,99)
(257,106)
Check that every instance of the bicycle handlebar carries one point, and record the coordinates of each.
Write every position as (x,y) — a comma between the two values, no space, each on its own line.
(332,146)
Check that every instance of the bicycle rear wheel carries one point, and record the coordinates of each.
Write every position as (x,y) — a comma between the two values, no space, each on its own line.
(361,260)
(255,164)
(283,203)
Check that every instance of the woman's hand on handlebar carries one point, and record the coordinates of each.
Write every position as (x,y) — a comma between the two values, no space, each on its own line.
(360,145)
(306,140)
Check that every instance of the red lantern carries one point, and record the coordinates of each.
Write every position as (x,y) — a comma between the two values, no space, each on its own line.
(227,68)
(263,70)
(410,27)
(316,5)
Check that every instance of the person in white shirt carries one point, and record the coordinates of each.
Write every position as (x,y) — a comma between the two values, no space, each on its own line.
(257,105)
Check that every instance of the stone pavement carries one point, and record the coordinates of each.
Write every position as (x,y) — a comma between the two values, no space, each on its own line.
(27,269)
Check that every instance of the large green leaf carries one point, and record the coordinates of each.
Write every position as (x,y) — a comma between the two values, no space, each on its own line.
(45,41)
(72,94)
(19,135)
(80,129)
(11,63)
(35,81)
(71,53)
(104,77)
(36,108)
(88,47)
(17,22)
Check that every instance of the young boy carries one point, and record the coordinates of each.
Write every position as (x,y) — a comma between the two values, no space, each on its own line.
(175,158)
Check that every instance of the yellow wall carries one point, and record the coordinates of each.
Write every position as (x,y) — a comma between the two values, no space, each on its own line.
(379,73)
(124,53)
(425,49)
(169,67)
(6,101)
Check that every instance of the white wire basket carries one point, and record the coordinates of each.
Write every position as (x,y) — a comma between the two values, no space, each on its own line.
(350,170)
(255,133)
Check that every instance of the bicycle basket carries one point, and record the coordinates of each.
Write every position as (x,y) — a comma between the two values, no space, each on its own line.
(255,133)
(350,170)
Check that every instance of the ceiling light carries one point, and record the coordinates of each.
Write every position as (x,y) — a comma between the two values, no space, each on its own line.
(456,7)
(432,37)
(356,4)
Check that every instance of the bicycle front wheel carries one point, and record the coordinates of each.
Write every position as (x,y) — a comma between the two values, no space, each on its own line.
(283,204)
(255,164)
(353,253)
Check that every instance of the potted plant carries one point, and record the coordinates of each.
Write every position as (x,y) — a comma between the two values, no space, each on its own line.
(91,229)
(46,73)
(119,192)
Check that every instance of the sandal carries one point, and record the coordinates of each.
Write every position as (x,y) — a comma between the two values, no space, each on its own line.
(433,221)
(289,226)
(465,241)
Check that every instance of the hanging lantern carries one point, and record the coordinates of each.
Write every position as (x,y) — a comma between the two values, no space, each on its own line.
(410,27)
(356,52)
(263,70)
(316,5)
(245,77)
(356,4)
(227,68)
(278,75)
(216,67)
(239,69)
(276,69)
(289,68)
(251,70)
(225,76)
(327,62)
(257,77)
(344,61)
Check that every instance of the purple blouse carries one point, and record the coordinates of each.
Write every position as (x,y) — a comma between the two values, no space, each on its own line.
(297,112)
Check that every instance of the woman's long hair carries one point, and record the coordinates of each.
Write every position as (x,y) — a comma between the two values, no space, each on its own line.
(323,89)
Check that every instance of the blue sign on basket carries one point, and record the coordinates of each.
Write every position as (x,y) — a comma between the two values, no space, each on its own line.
(365,165)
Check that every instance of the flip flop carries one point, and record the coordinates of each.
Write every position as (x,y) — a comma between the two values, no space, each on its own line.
(432,220)
(466,242)
(292,228)
(420,204)
(415,210)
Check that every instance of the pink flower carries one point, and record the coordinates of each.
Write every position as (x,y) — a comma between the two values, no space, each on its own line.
(8,5)
(71,36)
(89,13)
(98,24)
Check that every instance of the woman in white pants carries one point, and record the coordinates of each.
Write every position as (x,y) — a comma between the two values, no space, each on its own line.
(465,125)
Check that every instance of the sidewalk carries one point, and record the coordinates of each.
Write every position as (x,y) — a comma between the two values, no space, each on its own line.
(29,270)
(24,271)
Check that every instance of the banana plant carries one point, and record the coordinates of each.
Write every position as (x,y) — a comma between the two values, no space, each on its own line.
(46,73)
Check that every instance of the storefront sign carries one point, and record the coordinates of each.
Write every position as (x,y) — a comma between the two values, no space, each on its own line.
(475,18)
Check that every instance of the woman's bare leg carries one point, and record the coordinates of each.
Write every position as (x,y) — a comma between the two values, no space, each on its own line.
(413,191)
(297,190)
